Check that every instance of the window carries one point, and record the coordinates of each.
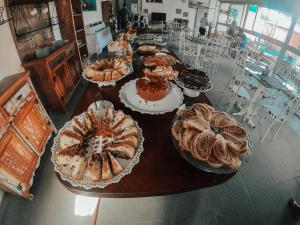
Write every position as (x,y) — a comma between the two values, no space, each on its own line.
(295,40)
(223,12)
(236,13)
(260,24)
(252,9)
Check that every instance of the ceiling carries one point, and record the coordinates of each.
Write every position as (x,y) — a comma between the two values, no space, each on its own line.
(292,6)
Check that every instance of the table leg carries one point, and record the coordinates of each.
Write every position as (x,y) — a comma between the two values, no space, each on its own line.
(95,215)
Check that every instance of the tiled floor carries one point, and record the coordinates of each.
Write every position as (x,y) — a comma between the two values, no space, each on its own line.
(257,194)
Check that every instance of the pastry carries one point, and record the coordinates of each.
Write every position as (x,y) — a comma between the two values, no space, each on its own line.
(234,130)
(162,71)
(160,60)
(220,119)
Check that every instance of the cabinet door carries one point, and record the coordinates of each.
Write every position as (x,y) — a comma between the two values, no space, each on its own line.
(63,82)
(74,69)
(31,123)
(17,161)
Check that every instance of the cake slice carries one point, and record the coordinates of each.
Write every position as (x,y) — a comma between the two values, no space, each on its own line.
(126,122)
(130,140)
(123,150)
(119,115)
(93,170)
(114,164)
(69,138)
(127,132)
(106,173)
(78,167)
(79,127)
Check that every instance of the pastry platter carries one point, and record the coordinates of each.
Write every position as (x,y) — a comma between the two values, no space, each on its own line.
(129,97)
(97,148)
(219,145)
(113,82)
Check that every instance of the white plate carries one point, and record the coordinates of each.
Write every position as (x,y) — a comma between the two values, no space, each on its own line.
(129,97)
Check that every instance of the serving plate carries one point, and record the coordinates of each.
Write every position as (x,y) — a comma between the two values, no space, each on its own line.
(202,165)
(129,97)
(127,164)
(111,82)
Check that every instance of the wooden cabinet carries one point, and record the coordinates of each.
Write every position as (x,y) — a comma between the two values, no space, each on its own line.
(56,76)
(24,131)
(17,162)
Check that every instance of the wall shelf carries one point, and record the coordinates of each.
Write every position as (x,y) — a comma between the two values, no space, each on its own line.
(37,29)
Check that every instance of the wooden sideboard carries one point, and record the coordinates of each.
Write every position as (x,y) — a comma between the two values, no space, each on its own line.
(56,76)
(24,131)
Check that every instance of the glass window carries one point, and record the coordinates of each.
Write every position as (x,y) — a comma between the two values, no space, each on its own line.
(260,24)
(295,40)
(252,9)
(223,12)
(236,13)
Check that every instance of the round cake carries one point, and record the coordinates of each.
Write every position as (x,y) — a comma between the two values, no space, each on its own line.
(152,87)
(106,70)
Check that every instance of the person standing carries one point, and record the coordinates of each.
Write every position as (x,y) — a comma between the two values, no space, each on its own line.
(124,17)
(203,24)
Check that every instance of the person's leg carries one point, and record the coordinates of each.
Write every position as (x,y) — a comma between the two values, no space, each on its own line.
(294,208)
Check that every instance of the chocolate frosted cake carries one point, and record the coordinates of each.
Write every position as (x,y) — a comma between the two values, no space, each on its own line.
(193,79)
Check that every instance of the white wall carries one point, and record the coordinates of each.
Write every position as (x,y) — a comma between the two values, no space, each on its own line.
(10,62)
(93,16)
(169,7)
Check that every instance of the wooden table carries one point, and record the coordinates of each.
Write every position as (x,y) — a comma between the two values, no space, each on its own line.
(161,170)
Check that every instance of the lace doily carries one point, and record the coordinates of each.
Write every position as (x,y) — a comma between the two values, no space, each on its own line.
(178,96)
(111,82)
(87,184)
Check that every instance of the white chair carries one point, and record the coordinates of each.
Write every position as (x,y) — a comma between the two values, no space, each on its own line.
(237,85)
(279,114)
(208,57)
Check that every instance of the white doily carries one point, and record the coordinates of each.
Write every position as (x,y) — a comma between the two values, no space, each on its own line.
(138,107)
(88,184)
(111,82)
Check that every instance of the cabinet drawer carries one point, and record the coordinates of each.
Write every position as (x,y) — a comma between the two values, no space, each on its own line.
(33,126)
(17,160)
(14,103)
(3,119)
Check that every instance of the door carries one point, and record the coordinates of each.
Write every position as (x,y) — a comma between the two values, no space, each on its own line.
(17,161)
(63,82)
(32,124)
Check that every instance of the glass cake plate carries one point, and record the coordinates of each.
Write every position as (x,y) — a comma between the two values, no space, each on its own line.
(202,165)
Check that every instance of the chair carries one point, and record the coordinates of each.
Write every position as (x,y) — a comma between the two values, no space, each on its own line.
(279,113)
(237,85)
(208,57)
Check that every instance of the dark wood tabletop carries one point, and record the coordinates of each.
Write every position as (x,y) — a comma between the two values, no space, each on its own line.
(161,170)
